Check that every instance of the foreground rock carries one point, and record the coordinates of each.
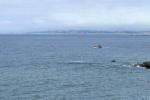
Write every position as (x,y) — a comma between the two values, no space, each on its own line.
(144,64)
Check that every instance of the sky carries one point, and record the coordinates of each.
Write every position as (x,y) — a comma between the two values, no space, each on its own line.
(31,15)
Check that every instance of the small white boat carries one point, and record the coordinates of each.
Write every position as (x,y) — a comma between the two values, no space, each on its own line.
(97,46)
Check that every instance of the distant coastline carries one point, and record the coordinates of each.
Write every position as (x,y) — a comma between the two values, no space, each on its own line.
(67,32)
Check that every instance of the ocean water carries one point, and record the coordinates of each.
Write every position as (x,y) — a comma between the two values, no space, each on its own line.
(67,67)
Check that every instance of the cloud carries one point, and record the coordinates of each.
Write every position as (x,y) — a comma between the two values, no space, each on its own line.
(37,14)
(5,22)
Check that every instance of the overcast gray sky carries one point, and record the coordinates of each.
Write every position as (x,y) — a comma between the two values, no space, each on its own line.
(23,15)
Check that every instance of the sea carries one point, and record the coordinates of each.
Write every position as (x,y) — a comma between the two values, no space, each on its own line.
(67,67)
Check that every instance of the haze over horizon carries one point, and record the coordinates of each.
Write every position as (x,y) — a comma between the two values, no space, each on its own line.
(32,15)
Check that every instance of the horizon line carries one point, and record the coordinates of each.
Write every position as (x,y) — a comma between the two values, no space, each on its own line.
(73,31)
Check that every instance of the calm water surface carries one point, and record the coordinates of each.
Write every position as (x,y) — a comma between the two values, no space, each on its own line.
(67,67)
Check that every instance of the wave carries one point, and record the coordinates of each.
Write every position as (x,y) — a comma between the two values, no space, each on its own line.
(79,62)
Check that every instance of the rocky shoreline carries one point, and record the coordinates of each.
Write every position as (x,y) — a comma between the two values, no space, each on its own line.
(144,64)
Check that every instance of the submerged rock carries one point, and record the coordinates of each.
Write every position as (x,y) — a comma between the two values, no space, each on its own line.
(144,64)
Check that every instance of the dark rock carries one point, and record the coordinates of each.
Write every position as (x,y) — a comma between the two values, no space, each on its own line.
(113,60)
(144,64)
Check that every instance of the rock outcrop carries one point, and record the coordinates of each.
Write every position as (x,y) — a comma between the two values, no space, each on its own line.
(144,64)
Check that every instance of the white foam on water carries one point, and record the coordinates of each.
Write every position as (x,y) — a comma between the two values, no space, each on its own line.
(127,65)
(138,66)
(78,61)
